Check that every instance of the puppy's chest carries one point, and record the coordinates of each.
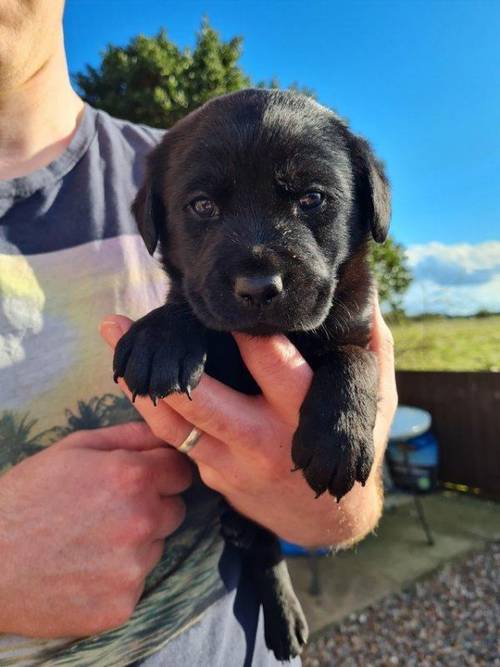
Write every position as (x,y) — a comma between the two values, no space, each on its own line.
(224,363)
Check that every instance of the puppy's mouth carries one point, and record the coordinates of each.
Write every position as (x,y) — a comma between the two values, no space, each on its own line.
(286,313)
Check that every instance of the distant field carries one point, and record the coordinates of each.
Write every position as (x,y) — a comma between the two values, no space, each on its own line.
(448,344)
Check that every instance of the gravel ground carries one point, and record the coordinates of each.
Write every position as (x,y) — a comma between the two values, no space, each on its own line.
(449,620)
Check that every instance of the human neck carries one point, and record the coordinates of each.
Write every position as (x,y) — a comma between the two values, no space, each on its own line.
(38,118)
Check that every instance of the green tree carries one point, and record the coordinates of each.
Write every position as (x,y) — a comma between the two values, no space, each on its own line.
(295,87)
(391,272)
(152,81)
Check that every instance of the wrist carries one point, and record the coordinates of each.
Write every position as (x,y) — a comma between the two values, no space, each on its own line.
(327,523)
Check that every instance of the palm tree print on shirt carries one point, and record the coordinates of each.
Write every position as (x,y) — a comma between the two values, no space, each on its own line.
(19,437)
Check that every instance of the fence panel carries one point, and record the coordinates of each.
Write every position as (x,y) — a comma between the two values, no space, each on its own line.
(465,409)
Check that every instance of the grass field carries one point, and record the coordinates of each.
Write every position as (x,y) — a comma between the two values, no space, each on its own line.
(442,344)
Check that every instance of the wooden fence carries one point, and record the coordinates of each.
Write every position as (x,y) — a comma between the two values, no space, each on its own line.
(465,409)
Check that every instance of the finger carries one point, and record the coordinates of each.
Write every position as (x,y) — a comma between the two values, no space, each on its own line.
(279,369)
(382,343)
(215,409)
(133,436)
(172,513)
(223,478)
(172,428)
(162,419)
(113,327)
(221,412)
(150,555)
(172,471)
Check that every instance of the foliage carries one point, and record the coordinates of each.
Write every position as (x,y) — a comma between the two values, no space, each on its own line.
(448,344)
(391,272)
(152,81)
(485,313)
(295,87)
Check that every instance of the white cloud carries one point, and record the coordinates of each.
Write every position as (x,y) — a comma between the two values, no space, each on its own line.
(455,279)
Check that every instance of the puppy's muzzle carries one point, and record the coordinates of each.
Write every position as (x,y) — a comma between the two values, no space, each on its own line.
(258,291)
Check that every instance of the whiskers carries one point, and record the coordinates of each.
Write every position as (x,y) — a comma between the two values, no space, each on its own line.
(324,331)
(342,315)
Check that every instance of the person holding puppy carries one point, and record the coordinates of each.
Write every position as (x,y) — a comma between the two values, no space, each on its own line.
(110,544)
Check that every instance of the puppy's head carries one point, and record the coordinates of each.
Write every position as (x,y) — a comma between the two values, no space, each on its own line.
(257,199)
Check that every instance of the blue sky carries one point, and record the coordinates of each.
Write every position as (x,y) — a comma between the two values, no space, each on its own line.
(420,79)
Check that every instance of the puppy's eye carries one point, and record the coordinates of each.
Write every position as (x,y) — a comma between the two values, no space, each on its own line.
(204,208)
(311,200)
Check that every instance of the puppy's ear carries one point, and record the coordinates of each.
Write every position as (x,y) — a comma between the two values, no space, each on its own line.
(373,188)
(148,208)
(149,213)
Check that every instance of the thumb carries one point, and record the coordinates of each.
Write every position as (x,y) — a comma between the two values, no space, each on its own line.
(382,343)
(136,436)
(113,327)
(279,369)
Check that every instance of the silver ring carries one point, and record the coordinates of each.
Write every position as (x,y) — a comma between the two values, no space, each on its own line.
(190,441)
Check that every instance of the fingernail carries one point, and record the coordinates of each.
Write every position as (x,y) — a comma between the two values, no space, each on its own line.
(111,332)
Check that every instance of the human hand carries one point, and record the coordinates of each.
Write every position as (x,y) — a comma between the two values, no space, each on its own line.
(245,450)
(81,525)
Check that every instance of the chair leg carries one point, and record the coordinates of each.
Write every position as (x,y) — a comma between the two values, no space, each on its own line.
(418,502)
(423,520)
(315,585)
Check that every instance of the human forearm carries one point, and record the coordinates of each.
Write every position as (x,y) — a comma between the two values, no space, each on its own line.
(295,515)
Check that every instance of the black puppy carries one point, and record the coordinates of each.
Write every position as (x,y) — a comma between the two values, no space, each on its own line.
(263,203)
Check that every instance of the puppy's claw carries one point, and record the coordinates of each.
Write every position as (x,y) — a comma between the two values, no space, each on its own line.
(116,375)
(363,469)
(154,401)
(188,392)
(134,396)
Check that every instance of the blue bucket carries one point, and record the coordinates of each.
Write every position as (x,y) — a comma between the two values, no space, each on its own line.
(289,549)
(418,470)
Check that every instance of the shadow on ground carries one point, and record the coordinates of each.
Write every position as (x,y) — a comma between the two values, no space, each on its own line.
(395,556)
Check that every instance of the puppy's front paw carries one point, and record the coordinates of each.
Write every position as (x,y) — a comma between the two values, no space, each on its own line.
(334,448)
(159,356)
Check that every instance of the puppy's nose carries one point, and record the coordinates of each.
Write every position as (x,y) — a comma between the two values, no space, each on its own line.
(258,290)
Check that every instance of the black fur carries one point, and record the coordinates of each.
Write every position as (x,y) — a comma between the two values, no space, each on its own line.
(267,262)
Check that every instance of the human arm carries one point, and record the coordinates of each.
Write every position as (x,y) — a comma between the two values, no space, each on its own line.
(245,452)
(81,525)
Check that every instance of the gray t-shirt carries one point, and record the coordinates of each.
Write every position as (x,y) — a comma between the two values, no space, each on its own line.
(70,254)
